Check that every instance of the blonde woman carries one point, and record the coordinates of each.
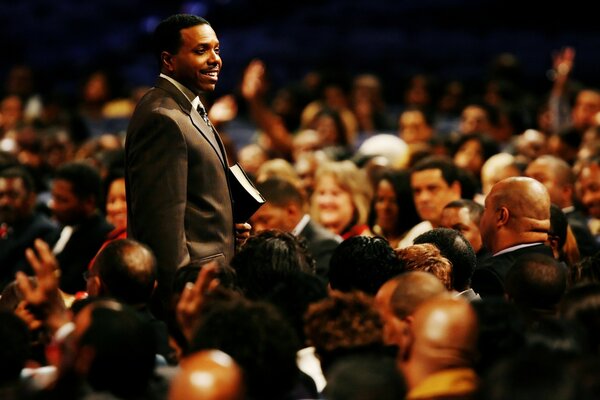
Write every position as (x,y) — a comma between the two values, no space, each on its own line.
(341,199)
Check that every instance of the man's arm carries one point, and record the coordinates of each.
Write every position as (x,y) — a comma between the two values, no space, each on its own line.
(157,170)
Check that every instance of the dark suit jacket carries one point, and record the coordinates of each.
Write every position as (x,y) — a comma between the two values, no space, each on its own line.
(84,243)
(488,278)
(178,198)
(321,243)
(585,240)
(19,238)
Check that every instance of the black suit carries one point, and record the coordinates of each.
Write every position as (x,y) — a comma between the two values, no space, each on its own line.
(321,243)
(489,277)
(585,240)
(74,259)
(19,238)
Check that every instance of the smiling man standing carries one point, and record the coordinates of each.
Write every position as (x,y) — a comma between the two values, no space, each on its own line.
(178,197)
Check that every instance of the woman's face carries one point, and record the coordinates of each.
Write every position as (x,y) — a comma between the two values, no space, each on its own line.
(470,156)
(116,206)
(327,130)
(386,206)
(334,204)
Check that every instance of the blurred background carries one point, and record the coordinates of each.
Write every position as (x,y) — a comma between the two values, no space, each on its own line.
(65,40)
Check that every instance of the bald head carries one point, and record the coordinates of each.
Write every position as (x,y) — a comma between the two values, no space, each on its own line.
(556,175)
(497,167)
(126,270)
(208,375)
(517,211)
(444,337)
(412,289)
(523,197)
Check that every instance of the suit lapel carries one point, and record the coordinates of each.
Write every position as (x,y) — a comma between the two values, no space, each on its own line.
(208,134)
(201,126)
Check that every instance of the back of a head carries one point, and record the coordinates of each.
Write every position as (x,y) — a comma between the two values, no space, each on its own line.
(412,289)
(257,337)
(365,378)
(208,375)
(582,305)
(85,180)
(536,282)
(496,168)
(127,269)
(445,333)
(362,263)
(269,258)
(426,257)
(453,245)
(124,349)
(526,199)
(343,324)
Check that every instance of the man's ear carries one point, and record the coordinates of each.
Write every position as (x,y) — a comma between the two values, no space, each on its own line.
(502,216)
(166,61)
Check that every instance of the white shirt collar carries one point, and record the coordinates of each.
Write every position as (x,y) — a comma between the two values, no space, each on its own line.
(195,100)
(301,225)
(568,209)
(517,247)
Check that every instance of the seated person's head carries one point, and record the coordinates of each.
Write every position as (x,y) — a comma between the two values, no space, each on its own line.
(257,337)
(343,324)
(126,270)
(427,258)
(76,192)
(362,263)
(457,249)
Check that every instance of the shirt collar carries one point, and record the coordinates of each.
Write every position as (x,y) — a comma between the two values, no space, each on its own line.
(301,225)
(195,100)
(517,247)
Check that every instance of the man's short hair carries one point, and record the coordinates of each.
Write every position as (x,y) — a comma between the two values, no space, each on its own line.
(257,337)
(124,349)
(536,281)
(85,180)
(167,35)
(449,170)
(280,192)
(119,266)
(457,249)
(18,172)
(363,263)
(475,209)
(269,258)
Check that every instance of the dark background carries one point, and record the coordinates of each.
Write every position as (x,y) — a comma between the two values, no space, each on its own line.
(64,40)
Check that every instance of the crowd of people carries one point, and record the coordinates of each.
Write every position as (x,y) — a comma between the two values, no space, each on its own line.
(445,247)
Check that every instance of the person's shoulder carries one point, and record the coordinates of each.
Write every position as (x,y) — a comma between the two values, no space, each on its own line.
(315,231)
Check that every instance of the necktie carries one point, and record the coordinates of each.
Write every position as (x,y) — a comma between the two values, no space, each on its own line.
(204,116)
(215,138)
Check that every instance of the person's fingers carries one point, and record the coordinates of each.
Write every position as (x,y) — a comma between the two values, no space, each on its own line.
(45,253)
(208,272)
(24,285)
(33,260)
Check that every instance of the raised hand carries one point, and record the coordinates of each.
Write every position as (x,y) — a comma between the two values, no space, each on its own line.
(193,297)
(44,300)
